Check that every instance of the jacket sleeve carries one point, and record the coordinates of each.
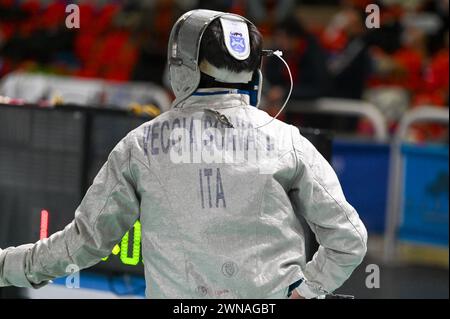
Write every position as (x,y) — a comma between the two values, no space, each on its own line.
(317,195)
(108,210)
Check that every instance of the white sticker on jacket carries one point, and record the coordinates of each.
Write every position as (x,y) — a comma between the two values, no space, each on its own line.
(237,39)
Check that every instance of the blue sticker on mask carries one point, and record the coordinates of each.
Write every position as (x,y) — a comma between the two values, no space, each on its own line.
(236,36)
(237,42)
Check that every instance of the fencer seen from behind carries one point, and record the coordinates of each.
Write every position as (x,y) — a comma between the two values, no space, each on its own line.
(217,184)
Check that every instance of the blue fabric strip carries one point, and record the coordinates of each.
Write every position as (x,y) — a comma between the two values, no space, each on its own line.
(220,92)
(293,286)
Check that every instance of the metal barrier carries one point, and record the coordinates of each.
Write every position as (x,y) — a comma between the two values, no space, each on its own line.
(396,187)
(346,107)
(34,88)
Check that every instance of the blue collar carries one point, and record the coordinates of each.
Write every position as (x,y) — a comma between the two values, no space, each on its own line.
(231,91)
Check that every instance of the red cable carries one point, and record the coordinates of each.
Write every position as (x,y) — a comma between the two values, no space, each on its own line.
(44,224)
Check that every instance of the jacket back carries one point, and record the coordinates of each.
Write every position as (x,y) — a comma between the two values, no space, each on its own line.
(216,217)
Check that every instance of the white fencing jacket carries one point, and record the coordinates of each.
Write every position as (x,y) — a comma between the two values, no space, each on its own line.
(219,196)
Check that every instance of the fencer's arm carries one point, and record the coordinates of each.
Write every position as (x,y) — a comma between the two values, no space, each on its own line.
(317,195)
(107,212)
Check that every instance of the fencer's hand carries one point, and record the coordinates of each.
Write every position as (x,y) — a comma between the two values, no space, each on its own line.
(295,295)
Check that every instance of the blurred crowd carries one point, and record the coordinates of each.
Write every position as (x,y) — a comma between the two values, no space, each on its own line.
(401,65)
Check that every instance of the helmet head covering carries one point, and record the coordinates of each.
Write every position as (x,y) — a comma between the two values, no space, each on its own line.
(184,49)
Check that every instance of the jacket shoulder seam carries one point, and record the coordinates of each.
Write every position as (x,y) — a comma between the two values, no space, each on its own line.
(297,160)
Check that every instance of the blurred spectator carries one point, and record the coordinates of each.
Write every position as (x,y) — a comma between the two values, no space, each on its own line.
(33,33)
(157,19)
(266,14)
(306,60)
(435,92)
(221,5)
(437,75)
(388,36)
(409,59)
(350,67)
(439,8)
(411,67)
